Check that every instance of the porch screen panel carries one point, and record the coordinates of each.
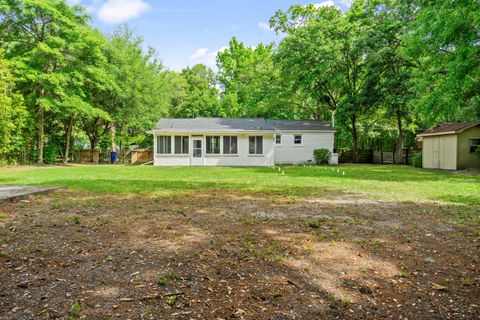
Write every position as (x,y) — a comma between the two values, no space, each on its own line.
(164,144)
(255,145)
(185,146)
(181,144)
(213,145)
(259,145)
(230,144)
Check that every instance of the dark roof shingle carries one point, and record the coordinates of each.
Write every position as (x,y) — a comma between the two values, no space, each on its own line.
(240,124)
(449,128)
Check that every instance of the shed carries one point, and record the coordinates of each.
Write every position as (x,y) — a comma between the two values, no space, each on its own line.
(451,146)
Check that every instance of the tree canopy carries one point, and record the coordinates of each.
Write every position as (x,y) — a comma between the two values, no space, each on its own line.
(381,71)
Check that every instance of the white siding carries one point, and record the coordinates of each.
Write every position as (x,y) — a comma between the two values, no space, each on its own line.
(243,158)
(288,152)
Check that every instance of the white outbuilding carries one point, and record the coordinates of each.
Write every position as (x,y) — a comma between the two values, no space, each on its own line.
(239,141)
(451,146)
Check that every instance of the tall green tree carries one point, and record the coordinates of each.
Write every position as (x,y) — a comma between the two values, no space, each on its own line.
(201,96)
(444,40)
(41,37)
(250,81)
(13,116)
(390,27)
(331,63)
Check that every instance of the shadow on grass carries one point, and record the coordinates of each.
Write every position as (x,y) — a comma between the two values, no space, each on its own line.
(397,173)
(208,252)
(145,187)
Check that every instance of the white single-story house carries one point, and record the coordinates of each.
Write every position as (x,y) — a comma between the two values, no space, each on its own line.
(451,146)
(239,141)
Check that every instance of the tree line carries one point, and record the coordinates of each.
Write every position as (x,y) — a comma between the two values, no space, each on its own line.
(380,72)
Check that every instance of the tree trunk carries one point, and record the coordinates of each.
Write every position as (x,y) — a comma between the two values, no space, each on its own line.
(354,140)
(41,134)
(113,147)
(68,137)
(93,147)
(400,139)
(333,118)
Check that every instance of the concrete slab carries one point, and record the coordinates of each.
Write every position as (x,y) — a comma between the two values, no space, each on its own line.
(14,192)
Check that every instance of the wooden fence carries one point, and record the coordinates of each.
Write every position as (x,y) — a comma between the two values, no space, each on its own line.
(377,156)
(390,157)
(140,156)
(137,156)
(364,156)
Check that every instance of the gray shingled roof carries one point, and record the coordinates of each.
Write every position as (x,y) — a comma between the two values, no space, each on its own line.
(301,125)
(448,128)
(239,124)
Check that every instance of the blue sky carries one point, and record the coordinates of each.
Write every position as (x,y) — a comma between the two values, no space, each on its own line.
(186,32)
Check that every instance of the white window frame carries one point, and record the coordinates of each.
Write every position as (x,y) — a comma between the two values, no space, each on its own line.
(256,146)
(181,145)
(278,139)
(230,146)
(301,139)
(166,137)
(470,144)
(211,152)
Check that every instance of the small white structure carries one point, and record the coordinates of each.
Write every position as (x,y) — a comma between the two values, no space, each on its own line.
(451,146)
(238,141)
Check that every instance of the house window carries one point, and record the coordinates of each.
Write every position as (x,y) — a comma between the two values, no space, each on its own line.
(278,139)
(297,139)
(230,144)
(213,145)
(474,144)
(255,145)
(181,145)
(164,145)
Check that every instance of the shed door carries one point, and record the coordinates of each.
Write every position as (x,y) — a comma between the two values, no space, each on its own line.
(436,152)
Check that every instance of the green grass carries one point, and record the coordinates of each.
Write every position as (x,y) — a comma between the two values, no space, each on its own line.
(387,182)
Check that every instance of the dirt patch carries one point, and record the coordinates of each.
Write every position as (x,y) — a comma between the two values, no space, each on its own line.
(223,255)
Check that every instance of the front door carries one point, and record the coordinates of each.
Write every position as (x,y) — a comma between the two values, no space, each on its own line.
(197,152)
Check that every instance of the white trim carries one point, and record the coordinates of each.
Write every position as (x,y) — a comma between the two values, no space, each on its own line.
(301,140)
(436,134)
(229,131)
(204,132)
(449,132)
(275,139)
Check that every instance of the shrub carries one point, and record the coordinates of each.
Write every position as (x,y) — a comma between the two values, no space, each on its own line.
(417,160)
(50,154)
(322,156)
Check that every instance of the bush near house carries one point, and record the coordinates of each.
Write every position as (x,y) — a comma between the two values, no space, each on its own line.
(322,155)
(417,160)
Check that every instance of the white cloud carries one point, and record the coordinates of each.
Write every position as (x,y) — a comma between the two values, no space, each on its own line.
(264,26)
(328,3)
(203,55)
(202,52)
(347,3)
(116,11)
(73,2)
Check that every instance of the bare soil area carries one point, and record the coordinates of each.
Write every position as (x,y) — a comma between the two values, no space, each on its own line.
(229,255)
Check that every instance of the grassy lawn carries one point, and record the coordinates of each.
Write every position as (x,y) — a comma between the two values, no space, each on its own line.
(350,242)
(394,183)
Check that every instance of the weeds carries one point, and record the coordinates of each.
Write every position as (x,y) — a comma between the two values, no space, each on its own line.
(165,278)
